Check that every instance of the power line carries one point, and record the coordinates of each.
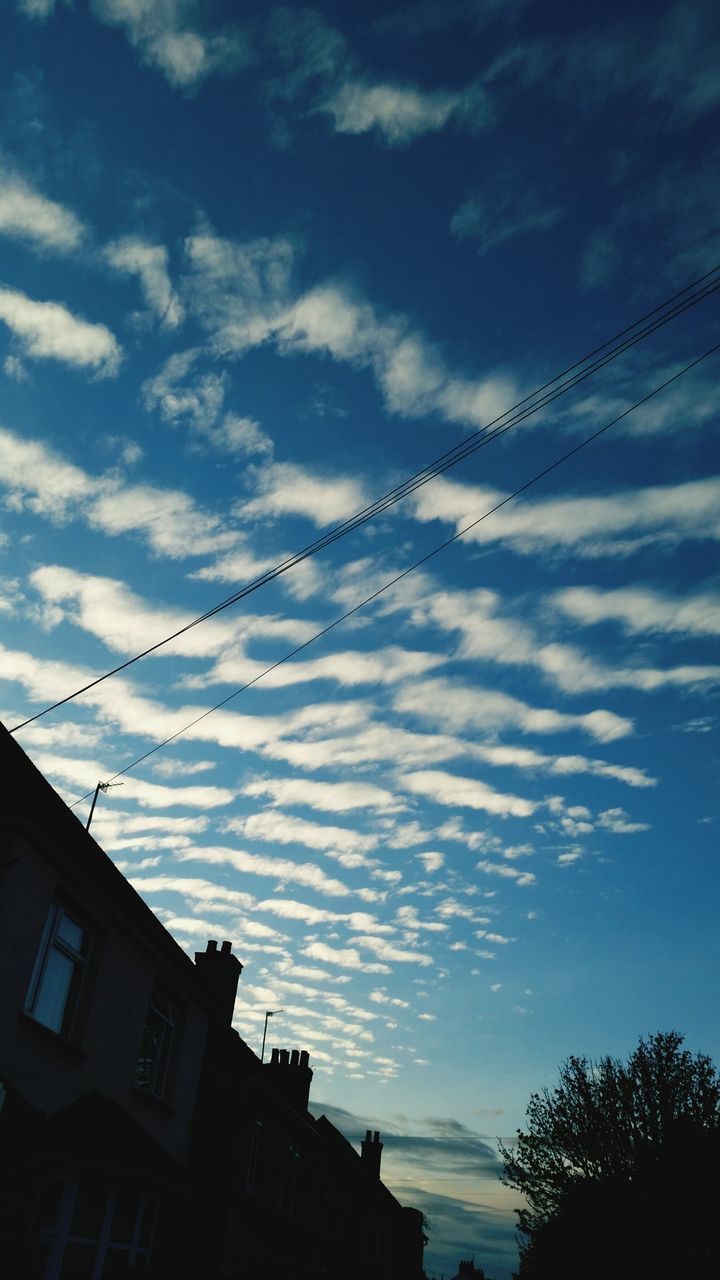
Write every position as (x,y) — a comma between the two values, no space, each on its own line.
(411,568)
(647,325)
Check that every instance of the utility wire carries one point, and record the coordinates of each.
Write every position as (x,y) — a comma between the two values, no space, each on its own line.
(411,568)
(653,320)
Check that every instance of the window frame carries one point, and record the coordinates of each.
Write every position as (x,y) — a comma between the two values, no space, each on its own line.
(166,1050)
(255,1151)
(52,942)
(57,1235)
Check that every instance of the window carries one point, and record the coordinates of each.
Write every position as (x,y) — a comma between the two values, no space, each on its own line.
(59,971)
(153,1059)
(253,1167)
(89,1230)
(289,1182)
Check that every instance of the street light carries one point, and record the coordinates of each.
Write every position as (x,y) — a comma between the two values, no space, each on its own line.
(270,1013)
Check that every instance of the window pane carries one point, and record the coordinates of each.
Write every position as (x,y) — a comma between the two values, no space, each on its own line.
(163,1008)
(87,1219)
(124,1221)
(117,1264)
(78,1262)
(154,1051)
(54,988)
(147,1224)
(71,932)
(50,1202)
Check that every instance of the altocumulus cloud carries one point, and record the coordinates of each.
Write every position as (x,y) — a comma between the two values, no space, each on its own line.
(26,214)
(48,331)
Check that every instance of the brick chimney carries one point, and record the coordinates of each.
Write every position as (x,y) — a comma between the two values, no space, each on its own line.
(370,1153)
(290,1074)
(218,974)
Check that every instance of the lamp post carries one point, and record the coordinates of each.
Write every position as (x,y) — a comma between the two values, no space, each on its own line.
(270,1013)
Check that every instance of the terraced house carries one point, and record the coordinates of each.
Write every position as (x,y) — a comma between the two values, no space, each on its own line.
(140,1134)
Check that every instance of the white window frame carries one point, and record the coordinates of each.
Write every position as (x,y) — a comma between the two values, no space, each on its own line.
(156,1087)
(52,941)
(58,1236)
(254,1156)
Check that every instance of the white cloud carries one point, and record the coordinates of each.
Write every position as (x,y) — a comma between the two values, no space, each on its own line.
(348,668)
(36,8)
(475,615)
(640,609)
(243,436)
(14,368)
(124,621)
(149,262)
(48,331)
(387,951)
(194,890)
(291,909)
(345,958)
(111,822)
(458,706)
(283,828)
(161,30)
(431,861)
(379,996)
(169,519)
(502,869)
(449,789)
(46,484)
(333,797)
(184,396)
(401,113)
(501,213)
(408,919)
(243,295)
(25,214)
(41,478)
(285,488)
(614,524)
(281,869)
(616,820)
(238,291)
(149,795)
(197,402)
(238,566)
(577,672)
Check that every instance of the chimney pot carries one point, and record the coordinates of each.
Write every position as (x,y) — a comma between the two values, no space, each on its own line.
(218,973)
(290,1075)
(371,1153)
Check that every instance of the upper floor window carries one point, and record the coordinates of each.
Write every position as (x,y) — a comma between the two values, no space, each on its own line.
(154,1057)
(254,1154)
(59,971)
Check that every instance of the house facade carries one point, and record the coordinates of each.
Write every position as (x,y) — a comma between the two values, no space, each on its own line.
(139,1134)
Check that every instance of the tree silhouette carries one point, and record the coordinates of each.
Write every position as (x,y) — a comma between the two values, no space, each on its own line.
(619,1166)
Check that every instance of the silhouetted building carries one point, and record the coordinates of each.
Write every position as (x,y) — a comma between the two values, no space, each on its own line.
(468,1271)
(139,1134)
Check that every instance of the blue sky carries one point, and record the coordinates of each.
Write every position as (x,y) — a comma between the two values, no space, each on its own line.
(258,265)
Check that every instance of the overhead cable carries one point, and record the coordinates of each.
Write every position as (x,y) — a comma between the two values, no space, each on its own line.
(560,385)
(411,568)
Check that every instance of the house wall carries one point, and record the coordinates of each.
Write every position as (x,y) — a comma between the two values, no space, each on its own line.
(122,972)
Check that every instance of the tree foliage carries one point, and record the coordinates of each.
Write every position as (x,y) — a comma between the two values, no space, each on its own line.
(615,1142)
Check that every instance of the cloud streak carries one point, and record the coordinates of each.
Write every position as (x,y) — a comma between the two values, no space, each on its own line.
(49,331)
